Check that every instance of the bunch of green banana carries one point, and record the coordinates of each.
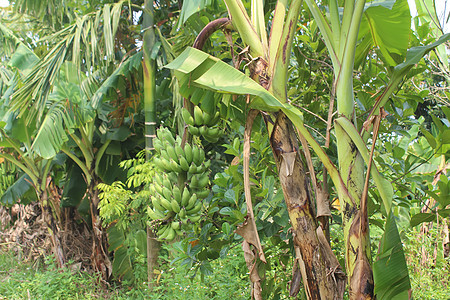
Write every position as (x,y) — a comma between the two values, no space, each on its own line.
(202,123)
(177,206)
(173,158)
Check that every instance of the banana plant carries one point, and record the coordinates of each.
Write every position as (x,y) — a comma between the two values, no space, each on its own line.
(61,97)
(267,83)
(16,142)
(150,49)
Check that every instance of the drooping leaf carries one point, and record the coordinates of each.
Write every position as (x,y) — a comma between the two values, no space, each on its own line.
(122,268)
(378,22)
(17,191)
(129,66)
(75,187)
(52,134)
(211,73)
(390,271)
(23,59)
(415,54)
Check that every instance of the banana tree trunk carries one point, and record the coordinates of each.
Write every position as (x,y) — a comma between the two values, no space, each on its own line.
(52,227)
(99,257)
(321,272)
(149,68)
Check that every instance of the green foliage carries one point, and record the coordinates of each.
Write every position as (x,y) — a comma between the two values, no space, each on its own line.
(427,265)
(123,209)
(23,281)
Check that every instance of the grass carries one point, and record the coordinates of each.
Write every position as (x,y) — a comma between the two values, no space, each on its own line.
(21,280)
(42,280)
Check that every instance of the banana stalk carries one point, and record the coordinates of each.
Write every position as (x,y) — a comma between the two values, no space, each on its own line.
(351,163)
(149,69)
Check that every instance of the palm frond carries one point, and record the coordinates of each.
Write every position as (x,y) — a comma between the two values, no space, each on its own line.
(89,43)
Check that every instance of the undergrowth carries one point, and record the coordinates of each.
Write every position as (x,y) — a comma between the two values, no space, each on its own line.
(42,280)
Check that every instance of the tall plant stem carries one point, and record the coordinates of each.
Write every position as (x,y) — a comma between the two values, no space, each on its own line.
(149,68)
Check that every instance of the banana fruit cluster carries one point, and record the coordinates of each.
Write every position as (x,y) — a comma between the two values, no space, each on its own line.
(202,124)
(177,205)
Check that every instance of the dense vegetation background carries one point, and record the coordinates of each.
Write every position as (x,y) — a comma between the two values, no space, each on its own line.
(126,173)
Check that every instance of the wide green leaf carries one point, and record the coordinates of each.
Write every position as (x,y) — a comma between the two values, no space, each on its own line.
(122,268)
(17,191)
(390,271)
(131,65)
(211,73)
(75,187)
(23,59)
(415,54)
(191,7)
(376,29)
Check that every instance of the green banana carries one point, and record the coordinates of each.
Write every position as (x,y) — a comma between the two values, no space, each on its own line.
(192,169)
(166,181)
(165,165)
(192,202)
(159,178)
(206,118)
(179,151)
(169,137)
(187,117)
(173,177)
(194,181)
(195,219)
(158,163)
(198,116)
(153,214)
(175,225)
(195,209)
(203,130)
(171,235)
(202,181)
(164,155)
(211,140)
(176,193)
(165,203)
(175,167)
(202,157)
(160,134)
(213,132)
(158,188)
(182,213)
(157,145)
(183,163)
(188,153)
(157,204)
(165,232)
(185,197)
(193,130)
(161,230)
(196,155)
(172,154)
(175,206)
(166,192)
